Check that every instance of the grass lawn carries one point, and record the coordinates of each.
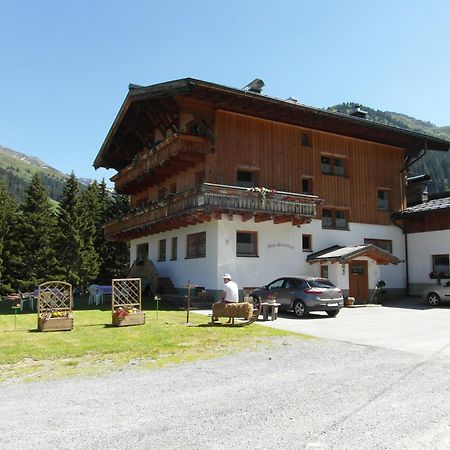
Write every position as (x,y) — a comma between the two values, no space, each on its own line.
(94,346)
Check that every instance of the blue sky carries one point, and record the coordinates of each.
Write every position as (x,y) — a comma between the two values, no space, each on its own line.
(65,66)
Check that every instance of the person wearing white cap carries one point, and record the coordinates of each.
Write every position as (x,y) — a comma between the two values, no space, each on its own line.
(230,294)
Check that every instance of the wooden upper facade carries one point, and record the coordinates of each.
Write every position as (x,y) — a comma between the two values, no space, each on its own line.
(188,151)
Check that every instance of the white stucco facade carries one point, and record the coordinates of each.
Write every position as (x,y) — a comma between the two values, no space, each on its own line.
(421,247)
(280,253)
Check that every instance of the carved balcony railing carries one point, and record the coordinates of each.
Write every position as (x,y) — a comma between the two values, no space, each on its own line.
(174,154)
(209,200)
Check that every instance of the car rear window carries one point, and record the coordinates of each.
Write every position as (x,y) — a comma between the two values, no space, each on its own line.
(321,283)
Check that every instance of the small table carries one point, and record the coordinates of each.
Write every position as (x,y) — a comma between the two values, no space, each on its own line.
(271,308)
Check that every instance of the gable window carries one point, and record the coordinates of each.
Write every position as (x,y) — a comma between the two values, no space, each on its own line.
(334,219)
(307,185)
(307,242)
(246,178)
(306,139)
(162,250)
(382,199)
(174,249)
(332,166)
(441,263)
(196,245)
(384,244)
(246,243)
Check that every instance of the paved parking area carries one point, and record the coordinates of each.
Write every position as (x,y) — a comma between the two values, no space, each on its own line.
(406,325)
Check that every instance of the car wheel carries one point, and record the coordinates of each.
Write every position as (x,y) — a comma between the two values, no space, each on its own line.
(433,299)
(256,301)
(300,309)
(333,313)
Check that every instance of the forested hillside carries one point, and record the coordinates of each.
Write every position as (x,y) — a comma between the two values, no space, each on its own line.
(17,169)
(435,164)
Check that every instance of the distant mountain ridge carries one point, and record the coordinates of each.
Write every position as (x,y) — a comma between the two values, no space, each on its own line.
(435,164)
(18,168)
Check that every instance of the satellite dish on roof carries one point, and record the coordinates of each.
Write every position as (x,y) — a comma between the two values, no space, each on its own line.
(255,86)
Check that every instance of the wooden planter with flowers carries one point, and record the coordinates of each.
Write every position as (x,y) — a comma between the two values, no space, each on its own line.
(127,302)
(55,306)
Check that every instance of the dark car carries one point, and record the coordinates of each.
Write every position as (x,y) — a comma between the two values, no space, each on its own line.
(302,295)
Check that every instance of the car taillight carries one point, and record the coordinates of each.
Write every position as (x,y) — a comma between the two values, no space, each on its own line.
(312,291)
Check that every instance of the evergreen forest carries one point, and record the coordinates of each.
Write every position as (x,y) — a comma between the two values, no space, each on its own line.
(40,242)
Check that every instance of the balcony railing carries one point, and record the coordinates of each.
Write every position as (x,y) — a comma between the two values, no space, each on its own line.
(144,167)
(208,198)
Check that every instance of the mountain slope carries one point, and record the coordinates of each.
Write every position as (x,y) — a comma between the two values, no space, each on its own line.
(17,170)
(435,164)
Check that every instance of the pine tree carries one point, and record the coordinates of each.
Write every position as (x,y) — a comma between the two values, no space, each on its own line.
(68,240)
(89,214)
(115,254)
(12,264)
(37,234)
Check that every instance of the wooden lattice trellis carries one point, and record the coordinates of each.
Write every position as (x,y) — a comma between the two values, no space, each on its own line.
(54,306)
(127,302)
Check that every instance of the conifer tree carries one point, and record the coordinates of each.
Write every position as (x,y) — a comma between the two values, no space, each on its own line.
(37,234)
(89,214)
(12,265)
(68,240)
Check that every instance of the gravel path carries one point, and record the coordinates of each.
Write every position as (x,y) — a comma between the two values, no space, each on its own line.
(315,394)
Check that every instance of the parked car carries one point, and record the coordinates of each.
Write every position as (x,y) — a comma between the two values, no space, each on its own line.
(302,295)
(436,294)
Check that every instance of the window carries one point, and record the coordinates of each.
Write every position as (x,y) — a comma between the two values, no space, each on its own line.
(306,139)
(307,186)
(162,250)
(174,249)
(334,218)
(324,271)
(142,253)
(307,242)
(441,263)
(384,244)
(332,166)
(382,200)
(246,243)
(277,284)
(246,178)
(196,245)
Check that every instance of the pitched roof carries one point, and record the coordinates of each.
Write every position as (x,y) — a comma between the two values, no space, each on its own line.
(119,146)
(345,254)
(435,205)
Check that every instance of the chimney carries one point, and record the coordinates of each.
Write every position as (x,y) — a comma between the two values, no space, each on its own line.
(255,86)
(292,100)
(358,112)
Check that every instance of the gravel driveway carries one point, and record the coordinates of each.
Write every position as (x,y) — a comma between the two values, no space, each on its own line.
(296,394)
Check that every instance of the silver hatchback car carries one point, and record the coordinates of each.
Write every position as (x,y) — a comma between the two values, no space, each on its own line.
(436,294)
(302,295)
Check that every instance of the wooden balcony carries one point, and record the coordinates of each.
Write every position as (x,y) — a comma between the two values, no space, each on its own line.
(209,201)
(173,155)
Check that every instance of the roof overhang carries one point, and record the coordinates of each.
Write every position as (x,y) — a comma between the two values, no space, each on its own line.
(345,254)
(115,151)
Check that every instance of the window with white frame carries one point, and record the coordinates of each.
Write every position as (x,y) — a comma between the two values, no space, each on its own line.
(246,243)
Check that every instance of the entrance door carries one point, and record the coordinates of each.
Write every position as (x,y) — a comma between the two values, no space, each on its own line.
(359,280)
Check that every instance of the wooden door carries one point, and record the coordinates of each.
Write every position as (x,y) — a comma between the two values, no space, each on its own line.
(359,280)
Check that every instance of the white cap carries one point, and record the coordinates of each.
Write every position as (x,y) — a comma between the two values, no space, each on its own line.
(227,275)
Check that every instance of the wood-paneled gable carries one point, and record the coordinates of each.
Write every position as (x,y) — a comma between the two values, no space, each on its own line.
(433,221)
(275,150)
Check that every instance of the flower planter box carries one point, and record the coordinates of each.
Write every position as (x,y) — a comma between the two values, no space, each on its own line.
(55,323)
(349,301)
(134,318)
